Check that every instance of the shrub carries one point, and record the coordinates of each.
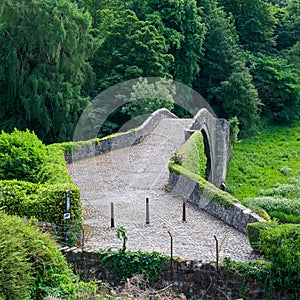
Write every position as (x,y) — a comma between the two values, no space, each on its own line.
(281,244)
(41,201)
(32,267)
(22,155)
(126,264)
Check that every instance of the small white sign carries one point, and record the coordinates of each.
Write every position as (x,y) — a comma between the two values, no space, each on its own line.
(67,216)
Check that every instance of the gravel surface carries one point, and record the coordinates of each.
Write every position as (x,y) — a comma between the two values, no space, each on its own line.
(127,177)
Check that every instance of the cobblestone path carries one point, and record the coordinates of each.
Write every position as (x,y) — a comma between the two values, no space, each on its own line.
(126,177)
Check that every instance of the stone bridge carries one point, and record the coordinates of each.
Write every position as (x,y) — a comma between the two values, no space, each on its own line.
(133,166)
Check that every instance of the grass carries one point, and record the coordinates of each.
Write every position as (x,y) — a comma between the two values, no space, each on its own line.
(194,155)
(271,158)
(264,173)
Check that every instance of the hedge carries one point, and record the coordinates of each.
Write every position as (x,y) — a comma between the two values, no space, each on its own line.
(281,244)
(41,201)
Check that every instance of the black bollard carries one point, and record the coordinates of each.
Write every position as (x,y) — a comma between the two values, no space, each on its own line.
(147,212)
(112,215)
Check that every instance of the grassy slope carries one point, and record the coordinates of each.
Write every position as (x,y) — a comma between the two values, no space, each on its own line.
(263,162)
(264,173)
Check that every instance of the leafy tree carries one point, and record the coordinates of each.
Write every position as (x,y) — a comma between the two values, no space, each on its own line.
(181,25)
(278,87)
(240,98)
(221,51)
(130,48)
(289,28)
(147,97)
(255,23)
(45,46)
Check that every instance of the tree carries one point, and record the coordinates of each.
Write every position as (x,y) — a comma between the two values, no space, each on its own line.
(289,28)
(147,97)
(278,86)
(130,48)
(45,46)
(255,23)
(181,25)
(240,98)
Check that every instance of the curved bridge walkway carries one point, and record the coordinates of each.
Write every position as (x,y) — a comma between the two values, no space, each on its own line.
(126,177)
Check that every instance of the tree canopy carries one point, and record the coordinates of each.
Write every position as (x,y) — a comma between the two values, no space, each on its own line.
(56,56)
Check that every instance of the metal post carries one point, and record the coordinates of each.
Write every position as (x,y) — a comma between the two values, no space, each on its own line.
(67,210)
(112,215)
(147,212)
(171,259)
(183,212)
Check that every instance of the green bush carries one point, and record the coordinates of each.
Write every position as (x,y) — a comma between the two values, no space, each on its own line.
(245,272)
(126,264)
(32,267)
(22,156)
(41,201)
(281,244)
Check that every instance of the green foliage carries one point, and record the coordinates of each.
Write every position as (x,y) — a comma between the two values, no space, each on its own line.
(240,98)
(258,270)
(22,156)
(130,48)
(280,244)
(122,235)
(146,97)
(281,202)
(45,48)
(32,267)
(234,129)
(255,23)
(125,264)
(44,202)
(194,156)
(289,28)
(256,163)
(278,86)
(183,29)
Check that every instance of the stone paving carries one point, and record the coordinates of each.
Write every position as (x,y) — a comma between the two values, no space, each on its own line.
(127,177)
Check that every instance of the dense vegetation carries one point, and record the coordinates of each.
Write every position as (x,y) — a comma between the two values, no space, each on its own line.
(56,55)
(32,267)
(34,180)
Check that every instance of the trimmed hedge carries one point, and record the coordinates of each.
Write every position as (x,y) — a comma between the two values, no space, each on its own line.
(40,201)
(195,158)
(281,244)
(22,156)
(43,199)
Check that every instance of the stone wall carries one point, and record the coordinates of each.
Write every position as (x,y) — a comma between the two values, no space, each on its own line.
(193,278)
(120,140)
(237,215)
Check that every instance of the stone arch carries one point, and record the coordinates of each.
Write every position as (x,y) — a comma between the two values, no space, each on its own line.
(216,136)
